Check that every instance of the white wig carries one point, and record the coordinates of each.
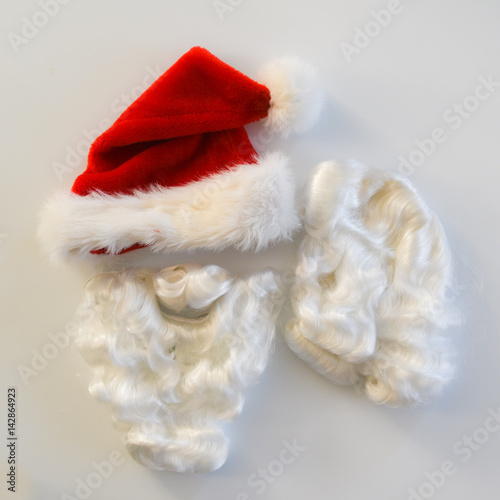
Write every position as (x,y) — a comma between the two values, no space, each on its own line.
(172,378)
(371,279)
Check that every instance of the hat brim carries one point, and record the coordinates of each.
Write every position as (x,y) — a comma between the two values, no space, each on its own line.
(247,206)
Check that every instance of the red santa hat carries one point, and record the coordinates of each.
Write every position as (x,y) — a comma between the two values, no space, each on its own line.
(177,170)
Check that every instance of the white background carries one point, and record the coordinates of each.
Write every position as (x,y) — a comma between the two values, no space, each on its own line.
(396,90)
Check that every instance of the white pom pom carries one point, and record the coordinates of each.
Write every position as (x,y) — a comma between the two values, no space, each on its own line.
(296,98)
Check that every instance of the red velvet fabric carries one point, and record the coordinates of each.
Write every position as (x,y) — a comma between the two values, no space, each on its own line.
(186,126)
(104,251)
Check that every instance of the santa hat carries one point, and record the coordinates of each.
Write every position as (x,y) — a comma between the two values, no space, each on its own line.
(177,170)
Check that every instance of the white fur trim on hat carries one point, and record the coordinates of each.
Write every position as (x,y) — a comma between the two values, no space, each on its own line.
(247,206)
(296,97)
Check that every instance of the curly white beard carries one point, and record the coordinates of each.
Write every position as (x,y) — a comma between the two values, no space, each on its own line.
(170,379)
(371,280)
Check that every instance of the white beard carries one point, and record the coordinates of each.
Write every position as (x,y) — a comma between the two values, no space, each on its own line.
(172,380)
(371,281)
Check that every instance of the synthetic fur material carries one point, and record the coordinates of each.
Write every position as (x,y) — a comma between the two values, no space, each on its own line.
(296,96)
(371,281)
(185,126)
(172,380)
(247,207)
(184,132)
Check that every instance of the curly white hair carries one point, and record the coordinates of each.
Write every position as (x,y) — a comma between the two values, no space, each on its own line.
(369,298)
(172,378)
